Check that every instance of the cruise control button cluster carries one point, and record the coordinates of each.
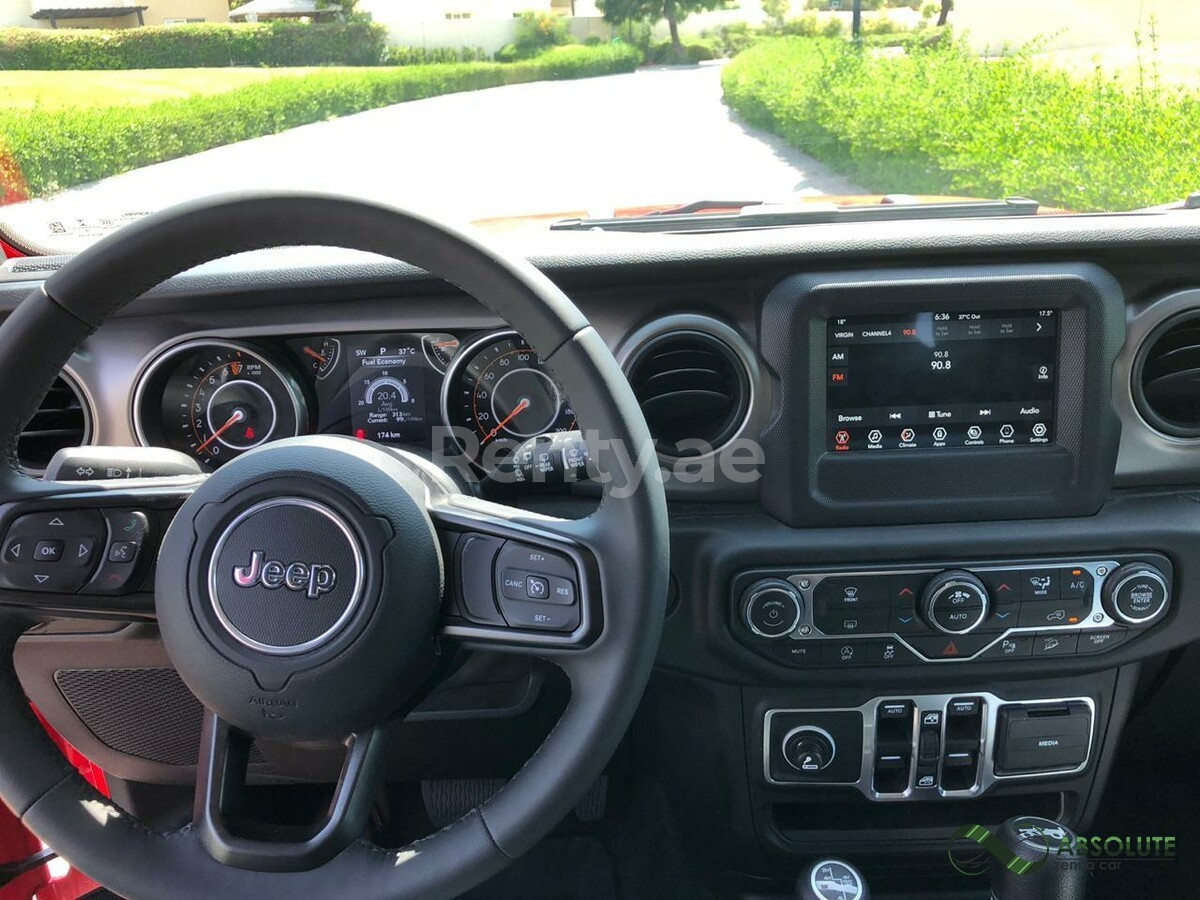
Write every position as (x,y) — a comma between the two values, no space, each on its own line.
(74,551)
(509,583)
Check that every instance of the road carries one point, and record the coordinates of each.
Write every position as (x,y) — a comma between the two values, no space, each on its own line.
(659,135)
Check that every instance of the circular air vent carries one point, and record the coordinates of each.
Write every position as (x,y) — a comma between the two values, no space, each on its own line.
(693,389)
(61,421)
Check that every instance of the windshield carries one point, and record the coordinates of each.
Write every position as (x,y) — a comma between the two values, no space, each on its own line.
(518,114)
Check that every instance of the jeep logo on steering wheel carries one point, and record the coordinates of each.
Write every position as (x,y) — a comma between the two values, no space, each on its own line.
(311,578)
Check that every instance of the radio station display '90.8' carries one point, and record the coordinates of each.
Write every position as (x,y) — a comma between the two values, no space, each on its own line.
(941,380)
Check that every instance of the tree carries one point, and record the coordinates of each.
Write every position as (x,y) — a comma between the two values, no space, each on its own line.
(776,10)
(674,11)
(944,13)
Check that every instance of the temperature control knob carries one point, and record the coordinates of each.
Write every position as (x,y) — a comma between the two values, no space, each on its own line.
(954,602)
(772,607)
(1136,594)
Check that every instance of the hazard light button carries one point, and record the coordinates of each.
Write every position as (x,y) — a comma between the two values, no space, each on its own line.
(945,646)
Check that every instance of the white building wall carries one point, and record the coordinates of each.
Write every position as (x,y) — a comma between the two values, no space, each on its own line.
(489,24)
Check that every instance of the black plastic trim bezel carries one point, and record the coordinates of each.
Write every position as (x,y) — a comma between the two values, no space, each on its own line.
(803,480)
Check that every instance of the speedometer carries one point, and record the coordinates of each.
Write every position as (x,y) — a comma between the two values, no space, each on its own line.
(498,394)
(215,400)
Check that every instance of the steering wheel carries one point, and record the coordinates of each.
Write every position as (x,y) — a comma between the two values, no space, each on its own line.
(299,589)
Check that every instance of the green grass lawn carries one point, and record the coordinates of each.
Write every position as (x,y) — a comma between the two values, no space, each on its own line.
(135,87)
(61,129)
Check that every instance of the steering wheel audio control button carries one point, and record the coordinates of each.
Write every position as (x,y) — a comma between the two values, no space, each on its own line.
(772,607)
(474,555)
(955,602)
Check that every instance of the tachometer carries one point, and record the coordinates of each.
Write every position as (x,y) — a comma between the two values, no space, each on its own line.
(215,400)
(498,394)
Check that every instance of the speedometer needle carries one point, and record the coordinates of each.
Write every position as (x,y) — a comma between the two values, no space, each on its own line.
(237,416)
(519,408)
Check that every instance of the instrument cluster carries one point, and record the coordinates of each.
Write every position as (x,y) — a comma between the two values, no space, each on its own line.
(483,397)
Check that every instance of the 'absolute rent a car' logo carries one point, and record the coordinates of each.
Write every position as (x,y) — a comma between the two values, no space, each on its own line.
(312,578)
(971,845)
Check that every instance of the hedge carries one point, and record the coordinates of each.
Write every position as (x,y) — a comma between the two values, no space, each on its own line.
(45,150)
(694,51)
(428,56)
(937,119)
(189,46)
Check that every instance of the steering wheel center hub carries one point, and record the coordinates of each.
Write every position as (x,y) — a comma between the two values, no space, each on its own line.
(311,580)
(286,576)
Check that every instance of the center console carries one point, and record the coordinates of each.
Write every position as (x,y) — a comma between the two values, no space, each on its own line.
(940,620)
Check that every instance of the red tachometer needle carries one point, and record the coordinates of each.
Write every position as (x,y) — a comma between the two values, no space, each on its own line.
(519,408)
(237,416)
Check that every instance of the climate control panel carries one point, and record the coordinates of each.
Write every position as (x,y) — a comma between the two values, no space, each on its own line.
(993,610)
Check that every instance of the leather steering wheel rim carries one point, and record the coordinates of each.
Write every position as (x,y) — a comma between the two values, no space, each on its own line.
(627,536)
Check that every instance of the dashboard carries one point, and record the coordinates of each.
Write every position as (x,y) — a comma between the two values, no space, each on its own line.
(932,490)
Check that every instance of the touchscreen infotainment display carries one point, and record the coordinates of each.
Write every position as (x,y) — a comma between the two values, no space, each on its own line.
(941,379)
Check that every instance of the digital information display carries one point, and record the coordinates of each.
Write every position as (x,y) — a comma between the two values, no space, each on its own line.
(387,388)
(941,379)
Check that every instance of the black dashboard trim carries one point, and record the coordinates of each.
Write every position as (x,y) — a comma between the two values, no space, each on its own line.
(803,482)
